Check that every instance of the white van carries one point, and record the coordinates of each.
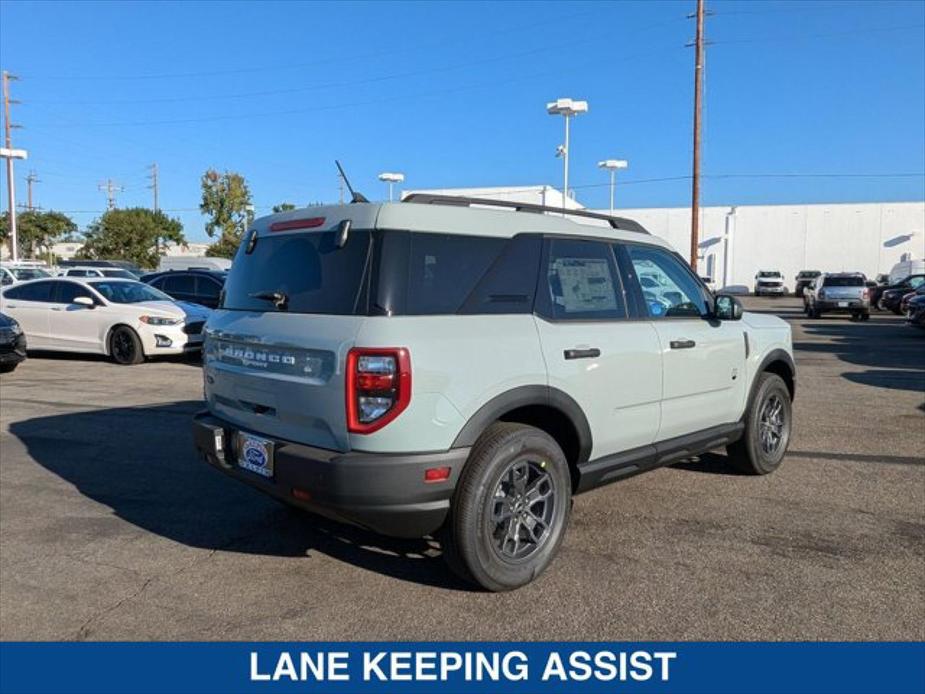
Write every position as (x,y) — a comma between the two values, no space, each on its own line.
(904,268)
(192,262)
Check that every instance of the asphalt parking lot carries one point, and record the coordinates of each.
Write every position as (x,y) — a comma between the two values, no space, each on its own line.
(111,529)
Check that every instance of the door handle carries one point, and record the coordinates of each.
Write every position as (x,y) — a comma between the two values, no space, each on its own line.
(682,344)
(589,353)
(56,309)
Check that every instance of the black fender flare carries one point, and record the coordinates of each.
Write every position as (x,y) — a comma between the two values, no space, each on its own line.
(523,396)
(773,356)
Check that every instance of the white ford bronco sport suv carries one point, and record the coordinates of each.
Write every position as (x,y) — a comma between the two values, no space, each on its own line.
(437,367)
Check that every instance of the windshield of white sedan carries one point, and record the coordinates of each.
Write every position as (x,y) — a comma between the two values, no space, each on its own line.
(129,292)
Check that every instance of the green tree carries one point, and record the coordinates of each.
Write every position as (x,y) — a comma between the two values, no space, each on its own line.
(130,234)
(36,231)
(283,207)
(226,199)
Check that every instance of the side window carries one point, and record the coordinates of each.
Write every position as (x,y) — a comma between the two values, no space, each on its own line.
(669,289)
(66,292)
(179,284)
(6,278)
(207,288)
(580,282)
(509,286)
(37,291)
(444,268)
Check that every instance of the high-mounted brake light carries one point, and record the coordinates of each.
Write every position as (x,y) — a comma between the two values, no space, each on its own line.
(378,387)
(289,225)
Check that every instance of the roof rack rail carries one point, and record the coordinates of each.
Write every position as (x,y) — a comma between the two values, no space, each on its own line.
(621,223)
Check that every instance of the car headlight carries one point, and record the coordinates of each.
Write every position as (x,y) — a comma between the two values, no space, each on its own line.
(16,329)
(158,320)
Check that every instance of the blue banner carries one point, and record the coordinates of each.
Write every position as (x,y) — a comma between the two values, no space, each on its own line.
(463,668)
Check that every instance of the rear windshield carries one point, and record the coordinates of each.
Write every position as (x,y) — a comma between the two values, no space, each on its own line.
(307,270)
(844,282)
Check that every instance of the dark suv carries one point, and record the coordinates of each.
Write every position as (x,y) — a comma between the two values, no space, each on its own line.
(202,287)
(803,280)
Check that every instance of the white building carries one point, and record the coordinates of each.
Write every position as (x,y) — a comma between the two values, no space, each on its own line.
(864,237)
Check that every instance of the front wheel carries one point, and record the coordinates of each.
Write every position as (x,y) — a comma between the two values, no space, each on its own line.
(125,346)
(8,368)
(511,507)
(768,423)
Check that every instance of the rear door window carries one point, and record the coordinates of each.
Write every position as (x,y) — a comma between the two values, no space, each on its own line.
(580,282)
(38,291)
(179,285)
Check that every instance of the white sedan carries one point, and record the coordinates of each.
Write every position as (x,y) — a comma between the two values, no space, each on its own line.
(125,319)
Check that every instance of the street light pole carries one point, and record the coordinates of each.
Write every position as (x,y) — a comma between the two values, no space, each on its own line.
(612,165)
(565,108)
(391,178)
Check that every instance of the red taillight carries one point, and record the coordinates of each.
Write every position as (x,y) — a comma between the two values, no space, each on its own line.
(309,223)
(865,294)
(378,387)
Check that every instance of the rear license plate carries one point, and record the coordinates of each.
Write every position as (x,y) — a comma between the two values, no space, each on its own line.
(255,454)
(843,304)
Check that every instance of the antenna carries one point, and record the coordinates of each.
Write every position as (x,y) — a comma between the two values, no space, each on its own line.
(354,196)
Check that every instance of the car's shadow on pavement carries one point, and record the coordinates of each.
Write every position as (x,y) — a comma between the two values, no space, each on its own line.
(190,359)
(140,462)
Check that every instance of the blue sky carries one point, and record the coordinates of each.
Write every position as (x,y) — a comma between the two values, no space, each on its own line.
(453,95)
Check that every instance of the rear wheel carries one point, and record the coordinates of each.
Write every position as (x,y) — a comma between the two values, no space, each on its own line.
(8,368)
(510,509)
(768,422)
(125,346)
(865,316)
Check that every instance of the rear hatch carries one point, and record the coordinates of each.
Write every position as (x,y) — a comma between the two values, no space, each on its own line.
(844,288)
(275,350)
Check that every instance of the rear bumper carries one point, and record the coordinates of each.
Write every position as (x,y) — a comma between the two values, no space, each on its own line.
(853,306)
(760,289)
(382,492)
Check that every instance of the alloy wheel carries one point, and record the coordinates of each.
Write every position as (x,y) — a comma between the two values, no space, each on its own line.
(521,510)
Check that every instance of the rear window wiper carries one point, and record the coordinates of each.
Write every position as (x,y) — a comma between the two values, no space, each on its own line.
(279,299)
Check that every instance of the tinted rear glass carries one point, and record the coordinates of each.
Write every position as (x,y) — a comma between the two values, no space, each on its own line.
(843,282)
(308,269)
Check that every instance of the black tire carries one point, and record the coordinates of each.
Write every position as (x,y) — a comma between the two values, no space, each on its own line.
(8,368)
(509,463)
(125,346)
(756,453)
(865,316)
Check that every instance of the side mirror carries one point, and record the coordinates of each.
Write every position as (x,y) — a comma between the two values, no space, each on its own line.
(85,301)
(727,307)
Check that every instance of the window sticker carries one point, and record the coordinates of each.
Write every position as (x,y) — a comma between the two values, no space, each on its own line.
(586,285)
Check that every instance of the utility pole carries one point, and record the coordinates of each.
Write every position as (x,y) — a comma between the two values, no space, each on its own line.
(153,187)
(110,188)
(9,154)
(698,111)
(30,179)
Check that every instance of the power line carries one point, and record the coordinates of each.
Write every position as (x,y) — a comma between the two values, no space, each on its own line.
(803,37)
